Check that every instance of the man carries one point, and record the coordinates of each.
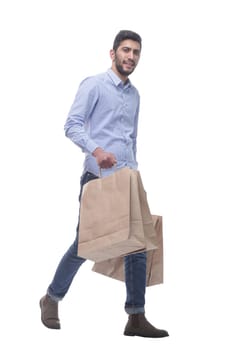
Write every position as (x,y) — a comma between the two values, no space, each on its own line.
(103,123)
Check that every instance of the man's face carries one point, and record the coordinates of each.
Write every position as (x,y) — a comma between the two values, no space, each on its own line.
(126,57)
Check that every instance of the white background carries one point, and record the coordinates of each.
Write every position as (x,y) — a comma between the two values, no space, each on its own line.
(184,150)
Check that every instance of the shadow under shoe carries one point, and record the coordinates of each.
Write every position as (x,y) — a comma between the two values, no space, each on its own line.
(49,312)
(138,325)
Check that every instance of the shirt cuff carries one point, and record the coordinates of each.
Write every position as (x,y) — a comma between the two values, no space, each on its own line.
(91,146)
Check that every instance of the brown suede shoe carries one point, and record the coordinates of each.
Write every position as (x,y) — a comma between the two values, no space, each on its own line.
(139,326)
(49,312)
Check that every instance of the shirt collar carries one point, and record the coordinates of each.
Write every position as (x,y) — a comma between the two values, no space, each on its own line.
(116,80)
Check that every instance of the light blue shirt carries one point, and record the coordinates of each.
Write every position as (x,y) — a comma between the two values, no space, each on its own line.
(105,114)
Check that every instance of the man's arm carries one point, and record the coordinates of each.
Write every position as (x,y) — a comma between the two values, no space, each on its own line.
(82,108)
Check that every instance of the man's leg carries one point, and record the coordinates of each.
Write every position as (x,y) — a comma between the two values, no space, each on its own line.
(135,278)
(65,272)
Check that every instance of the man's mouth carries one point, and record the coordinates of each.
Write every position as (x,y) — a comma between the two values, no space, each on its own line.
(129,64)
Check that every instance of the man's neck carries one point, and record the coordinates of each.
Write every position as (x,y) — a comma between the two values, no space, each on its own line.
(124,78)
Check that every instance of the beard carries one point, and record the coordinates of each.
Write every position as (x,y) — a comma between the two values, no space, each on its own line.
(121,69)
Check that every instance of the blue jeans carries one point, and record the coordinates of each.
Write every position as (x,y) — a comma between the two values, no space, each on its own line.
(135,271)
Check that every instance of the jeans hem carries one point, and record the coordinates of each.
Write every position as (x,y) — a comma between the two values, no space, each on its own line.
(53,297)
(134,310)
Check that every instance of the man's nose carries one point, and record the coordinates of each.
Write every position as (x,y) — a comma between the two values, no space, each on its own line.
(131,55)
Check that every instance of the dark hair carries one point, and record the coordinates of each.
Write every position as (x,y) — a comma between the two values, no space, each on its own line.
(124,35)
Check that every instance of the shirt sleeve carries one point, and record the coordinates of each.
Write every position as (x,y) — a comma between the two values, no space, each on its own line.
(134,136)
(79,114)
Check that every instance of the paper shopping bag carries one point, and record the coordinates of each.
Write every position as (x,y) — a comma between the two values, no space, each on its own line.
(115,219)
(114,268)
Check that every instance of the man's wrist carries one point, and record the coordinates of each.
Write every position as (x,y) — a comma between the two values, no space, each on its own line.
(97,151)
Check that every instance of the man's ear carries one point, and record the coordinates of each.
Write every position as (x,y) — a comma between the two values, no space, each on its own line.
(112,54)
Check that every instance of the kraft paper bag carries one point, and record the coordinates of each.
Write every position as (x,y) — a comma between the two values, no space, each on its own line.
(114,268)
(115,218)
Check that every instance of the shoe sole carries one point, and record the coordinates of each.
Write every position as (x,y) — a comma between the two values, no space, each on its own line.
(144,336)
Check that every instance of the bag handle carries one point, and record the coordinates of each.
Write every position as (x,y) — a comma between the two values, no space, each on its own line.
(100,170)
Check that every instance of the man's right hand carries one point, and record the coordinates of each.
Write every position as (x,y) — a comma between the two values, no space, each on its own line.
(104,159)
